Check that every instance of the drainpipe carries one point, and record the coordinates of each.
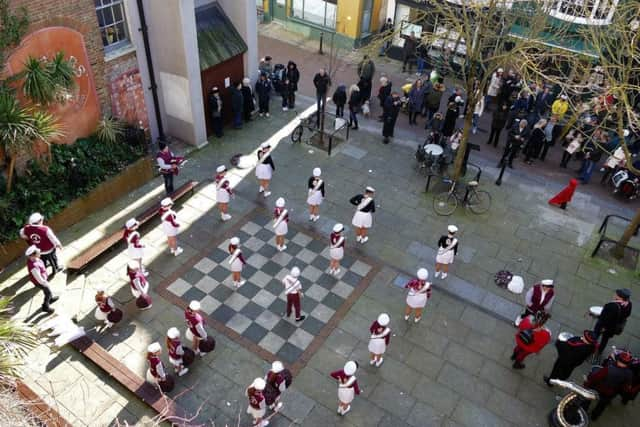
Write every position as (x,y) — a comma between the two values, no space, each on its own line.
(154,87)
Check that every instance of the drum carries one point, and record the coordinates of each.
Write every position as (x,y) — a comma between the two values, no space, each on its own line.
(143,302)
(434,149)
(595,311)
(115,315)
(628,188)
(188,357)
(619,177)
(564,336)
(207,345)
(168,384)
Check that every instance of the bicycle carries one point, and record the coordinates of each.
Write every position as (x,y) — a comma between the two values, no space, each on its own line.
(309,122)
(478,201)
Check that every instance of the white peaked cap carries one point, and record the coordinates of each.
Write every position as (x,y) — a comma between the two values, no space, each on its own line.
(338,228)
(452,229)
(221,168)
(458,99)
(133,265)
(295,271)
(132,222)
(383,319)
(547,282)
(317,172)
(280,202)
(564,96)
(370,189)
(35,218)
(625,133)
(154,347)
(173,333)
(31,250)
(500,70)
(259,384)
(423,274)
(166,202)
(194,305)
(234,241)
(350,367)
(265,145)
(277,366)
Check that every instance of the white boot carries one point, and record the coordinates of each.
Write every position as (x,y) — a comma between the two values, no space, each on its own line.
(364,239)
(261,189)
(267,193)
(183,371)
(178,251)
(444,275)
(437,274)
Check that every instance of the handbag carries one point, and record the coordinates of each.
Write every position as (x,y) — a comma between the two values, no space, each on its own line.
(526,336)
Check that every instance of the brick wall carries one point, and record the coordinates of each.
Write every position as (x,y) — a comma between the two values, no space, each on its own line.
(126,89)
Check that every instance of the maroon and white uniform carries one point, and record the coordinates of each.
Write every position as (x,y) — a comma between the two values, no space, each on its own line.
(239,261)
(195,326)
(135,248)
(419,293)
(41,236)
(169,221)
(336,251)
(283,227)
(257,405)
(166,160)
(139,283)
(380,336)
(347,386)
(105,307)
(175,350)
(277,380)
(538,299)
(37,272)
(223,188)
(156,371)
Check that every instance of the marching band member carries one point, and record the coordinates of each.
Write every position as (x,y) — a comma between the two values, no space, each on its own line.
(223,192)
(106,310)
(156,372)
(236,260)
(176,351)
(168,165)
(265,168)
(293,290)
(347,386)
(280,220)
(38,275)
(316,194)
(257,405)
(419,294)
(170,225)
(42,236)
(195,327)
(336,251)
(139,286)
(363,219)
(447,249)
(135,247)
(276,380)
(538,298)
(380,335)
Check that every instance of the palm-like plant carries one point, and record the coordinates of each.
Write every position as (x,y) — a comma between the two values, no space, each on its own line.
(109,130)
(15,340)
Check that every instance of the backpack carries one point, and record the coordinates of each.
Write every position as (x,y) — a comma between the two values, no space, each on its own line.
(526,336)
(502,278)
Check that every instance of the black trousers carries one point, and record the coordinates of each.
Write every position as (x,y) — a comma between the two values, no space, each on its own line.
(291,100)
(566,156)
(353,117)
(47,297)
(216,122)
(52,259)
(168,182)
(602,404)
(543,153)
(561,369)
(509,154)
(606,335)
(413,115)
(494,136)
(263,104)
(339,110)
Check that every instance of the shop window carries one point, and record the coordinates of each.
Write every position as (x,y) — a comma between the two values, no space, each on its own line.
(113,23)
(319,12)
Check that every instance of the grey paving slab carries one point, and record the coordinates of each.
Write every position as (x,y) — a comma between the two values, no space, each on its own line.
(393,399)
(468,386)
(434,394)
(472,415)
(423,415)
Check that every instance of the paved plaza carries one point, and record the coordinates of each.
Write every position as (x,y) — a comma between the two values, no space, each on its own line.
(451,369)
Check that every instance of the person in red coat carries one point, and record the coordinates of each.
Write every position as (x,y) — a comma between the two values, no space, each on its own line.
(563,197)
(532,336)
(347,386)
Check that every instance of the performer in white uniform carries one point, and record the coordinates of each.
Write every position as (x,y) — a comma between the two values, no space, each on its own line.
(336,250)
(363,218)
(293,291)
(223,192)
(380,335)
(170,225)
(135,247)
(447,249)
(419,294)
(347,386)
(237,262)
(264,168)
(316,194)
(257,404)
(280,221)
(176,351)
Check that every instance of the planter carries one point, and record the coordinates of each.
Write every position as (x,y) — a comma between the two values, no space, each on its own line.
(132,177)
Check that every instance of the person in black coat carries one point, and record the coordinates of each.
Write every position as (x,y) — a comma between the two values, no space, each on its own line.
(384,92)
(518,135)
(354,105)
(286,89)
(571,354)
(340,98)
(450,119)
(613,317)
(498,122)
(263,90)
(293,74)
(390,115)
(237,104)
(552,132)
(321,81)
(215,109)
(247,99)
(536,141)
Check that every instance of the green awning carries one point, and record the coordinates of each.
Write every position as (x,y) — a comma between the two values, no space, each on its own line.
(218,40)
(572,44)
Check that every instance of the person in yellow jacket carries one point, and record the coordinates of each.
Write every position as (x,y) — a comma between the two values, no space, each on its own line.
(560,106)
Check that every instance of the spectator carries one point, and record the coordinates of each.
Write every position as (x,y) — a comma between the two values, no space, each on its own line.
(294,77)
(366,70)
(494,86)
(551,133)
(450,119)
(544,100)
(321,81)
(215,109)
(435,124)
(354,105)
(575,142)
(408,50)
(560,106)
(421,58)
(416,99)
(390,115)
(285,92)
(433,98)
(384,92)
(387,32)
(263,90)
(592,155)
(237,104)
(340,98)
(247,99)
(519,109)
(518,135)
(498,122)
(536,141)
(477,113)
(265,66)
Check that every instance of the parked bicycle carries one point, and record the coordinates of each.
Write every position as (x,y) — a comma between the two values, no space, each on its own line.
(478,201)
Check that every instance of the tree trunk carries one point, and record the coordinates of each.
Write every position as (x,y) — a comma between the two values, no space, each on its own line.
(618,250)
(459,162)
(10,173)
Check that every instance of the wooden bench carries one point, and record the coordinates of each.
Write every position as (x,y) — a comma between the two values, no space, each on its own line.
(44,413)
(149,394)
(106,243)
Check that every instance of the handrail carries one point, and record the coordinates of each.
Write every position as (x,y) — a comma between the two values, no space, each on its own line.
(605,222)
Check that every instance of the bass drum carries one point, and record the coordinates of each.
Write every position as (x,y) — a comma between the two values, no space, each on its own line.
(207,345)
(143,302)
(115,315)
(188,357)
(628,189)
(167,385)
(271,393)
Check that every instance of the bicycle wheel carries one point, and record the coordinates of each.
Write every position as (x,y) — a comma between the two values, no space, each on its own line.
(445,203)
(479,201)
(296,135)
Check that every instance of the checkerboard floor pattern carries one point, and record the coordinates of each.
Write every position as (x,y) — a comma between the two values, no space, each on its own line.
(255,310)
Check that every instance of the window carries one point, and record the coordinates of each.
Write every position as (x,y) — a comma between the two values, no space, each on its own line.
(318,12)
(591,12)
(112,22)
